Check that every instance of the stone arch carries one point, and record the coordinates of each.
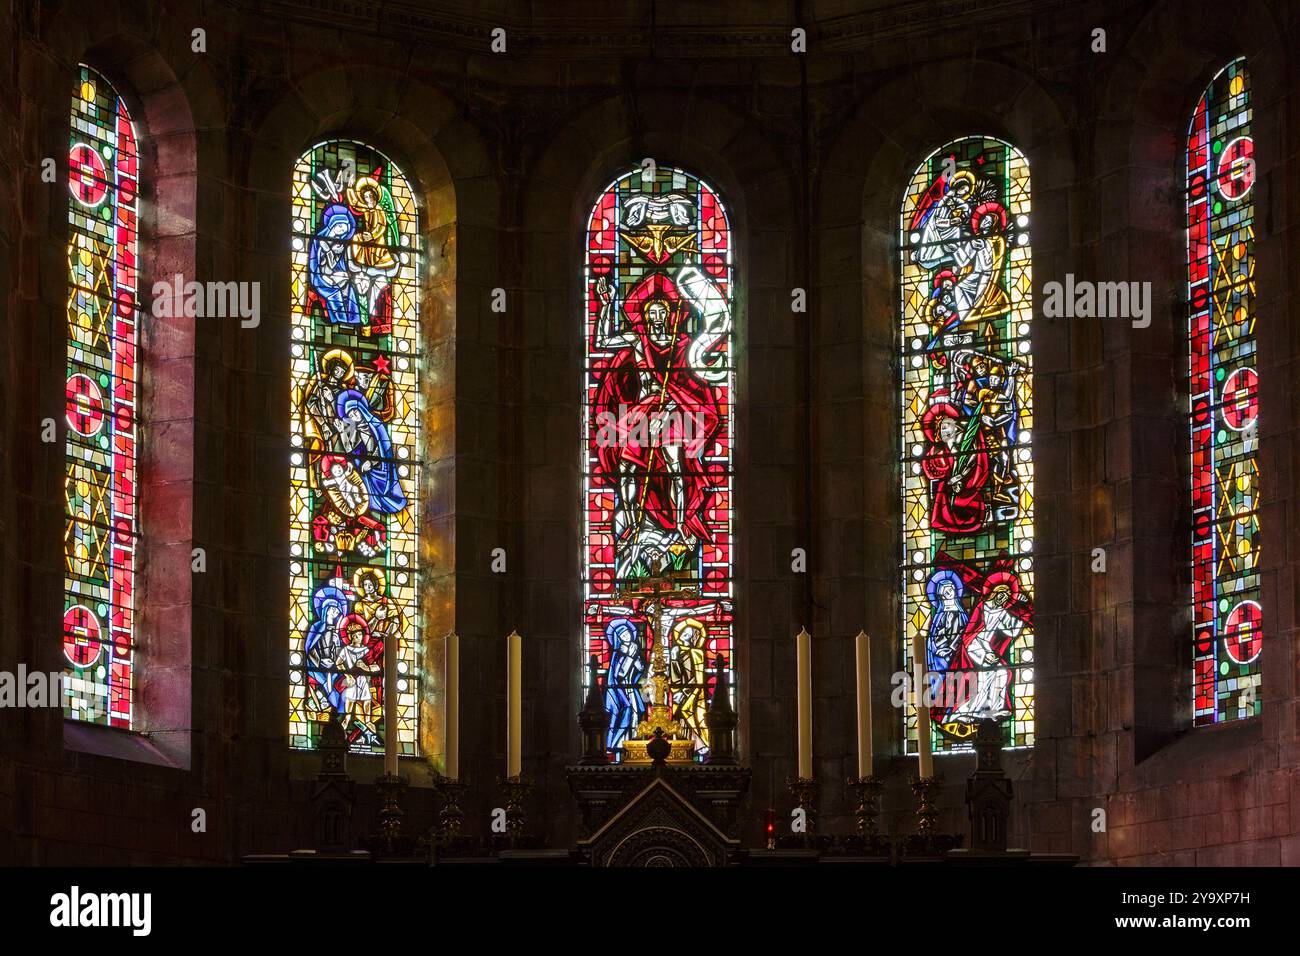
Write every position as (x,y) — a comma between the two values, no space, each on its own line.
(866,166)
(139,64)
(1145,106)
(754,180)
(416,126)
(659,846)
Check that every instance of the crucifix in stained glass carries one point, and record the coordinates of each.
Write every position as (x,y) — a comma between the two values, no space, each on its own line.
(658,438)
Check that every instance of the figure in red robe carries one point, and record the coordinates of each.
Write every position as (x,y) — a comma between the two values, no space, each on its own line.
(994,626)
(957,464)
(656,418)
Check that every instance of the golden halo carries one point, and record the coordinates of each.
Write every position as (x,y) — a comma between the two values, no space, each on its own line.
(381,579)
(963,175)
(689,622)
(360,186)
(339,355)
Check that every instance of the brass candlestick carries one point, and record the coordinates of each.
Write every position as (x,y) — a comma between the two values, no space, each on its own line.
(450,817)
(868,790)
(390,787)
(805,791)
(516,789)
(927,790)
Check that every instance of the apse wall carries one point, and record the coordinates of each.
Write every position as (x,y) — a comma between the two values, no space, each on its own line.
(811,154)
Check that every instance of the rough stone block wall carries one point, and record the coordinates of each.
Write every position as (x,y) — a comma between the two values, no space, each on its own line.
(811,154)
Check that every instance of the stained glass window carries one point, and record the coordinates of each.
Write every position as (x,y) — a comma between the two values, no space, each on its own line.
(657,461)
(355,437)
(100,484)
(967,417)
(1227,620)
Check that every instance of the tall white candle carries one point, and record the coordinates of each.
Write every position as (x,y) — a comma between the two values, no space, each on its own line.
(453,706)
(922,711)
(514,710)
(392,650)
(862,648)
(803,668)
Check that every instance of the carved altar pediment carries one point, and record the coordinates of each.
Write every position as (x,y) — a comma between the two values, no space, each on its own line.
(659,827)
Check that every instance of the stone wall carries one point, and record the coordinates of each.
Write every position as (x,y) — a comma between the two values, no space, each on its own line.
(811,154)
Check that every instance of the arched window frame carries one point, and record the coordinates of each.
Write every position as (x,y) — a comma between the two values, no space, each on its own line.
(1223,402)
(101,500)
(964,200)
(159,730)
(672,224)
(355,307)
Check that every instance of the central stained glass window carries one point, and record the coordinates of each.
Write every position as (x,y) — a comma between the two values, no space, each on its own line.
(355,437)
(967,418)
(657,459)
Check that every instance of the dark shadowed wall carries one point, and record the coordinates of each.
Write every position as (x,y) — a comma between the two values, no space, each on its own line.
(811,154)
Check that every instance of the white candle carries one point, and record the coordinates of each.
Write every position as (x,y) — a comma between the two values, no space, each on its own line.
(862,647)
(392,650)
(453,706)
(922,711)
(803,660)
(514,713)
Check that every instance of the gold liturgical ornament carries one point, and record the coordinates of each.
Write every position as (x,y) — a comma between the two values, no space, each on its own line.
(658,687)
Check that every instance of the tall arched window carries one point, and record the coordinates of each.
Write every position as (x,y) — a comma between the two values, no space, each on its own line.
(100,487)
(355,436)
(1224,401)
(657,458)
(967,416)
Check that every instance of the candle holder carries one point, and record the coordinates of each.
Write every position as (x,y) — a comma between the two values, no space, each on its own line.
(805,791)
(451,817)
(927,790)
(516,789)
(868,790)
(390,788)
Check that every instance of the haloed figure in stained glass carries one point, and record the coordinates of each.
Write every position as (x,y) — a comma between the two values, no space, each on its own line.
(323,644)
(355,432)
(623,698)
(373,263)
(355,467)
(355,665)
(689,670)
(657,461)
(365,436)
(352,259)
(354,621)
(962,242)
(665,411)
(383,615)
(331,278)
(967,412)
(685,639)
(986,639)
(957,464)
(947,618)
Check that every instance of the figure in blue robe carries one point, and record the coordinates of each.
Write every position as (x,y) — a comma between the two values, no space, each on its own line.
(623,681)
(329,605)
(366,441)
(947,618)
(327,265)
